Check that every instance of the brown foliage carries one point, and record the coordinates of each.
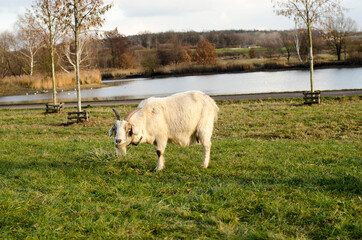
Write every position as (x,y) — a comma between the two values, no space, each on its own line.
(205,53)
(182,54)
(252,53)
(127,61)
(178,54)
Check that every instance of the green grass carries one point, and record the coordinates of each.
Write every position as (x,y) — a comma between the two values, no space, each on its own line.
(232,50)
(278,170)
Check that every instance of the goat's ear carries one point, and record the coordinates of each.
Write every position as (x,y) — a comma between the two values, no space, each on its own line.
(112,131)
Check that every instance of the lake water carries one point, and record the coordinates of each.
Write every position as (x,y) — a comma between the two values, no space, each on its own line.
(218,84)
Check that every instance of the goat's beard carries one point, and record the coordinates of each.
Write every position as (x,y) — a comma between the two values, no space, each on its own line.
(121,148)
(121,151)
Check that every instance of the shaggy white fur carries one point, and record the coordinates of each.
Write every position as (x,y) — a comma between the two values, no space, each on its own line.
(182,119)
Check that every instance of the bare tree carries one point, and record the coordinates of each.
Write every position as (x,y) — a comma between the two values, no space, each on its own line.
(302,44)
(297,44)
(117,44)
(145,39)
(308,13)
(68,53)
(271,44)
(190,38)
(80,16)
(29,37)
(11,61)
(286,39)
(49,14)
(337,32)
(211,37)
(6,63)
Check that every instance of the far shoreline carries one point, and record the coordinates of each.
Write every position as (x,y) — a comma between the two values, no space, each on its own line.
(216,69)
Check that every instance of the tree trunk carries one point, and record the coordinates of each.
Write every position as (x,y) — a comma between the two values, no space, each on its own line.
(53,71)
(288,56)
(76,39)
(31,64)
(310,55)
(339,50)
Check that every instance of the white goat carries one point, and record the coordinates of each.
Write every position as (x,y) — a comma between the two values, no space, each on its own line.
(183,119)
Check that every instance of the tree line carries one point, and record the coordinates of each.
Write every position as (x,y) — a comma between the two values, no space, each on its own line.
(25,50)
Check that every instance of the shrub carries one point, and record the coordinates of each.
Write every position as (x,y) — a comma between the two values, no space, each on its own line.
(150,63)
(165,57)
(355,58)
(127,61)
(252,53)
(205,53)
(182,54)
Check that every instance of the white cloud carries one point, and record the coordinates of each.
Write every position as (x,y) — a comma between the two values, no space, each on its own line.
(9,11)
(198,15)
(134,16)
(156,8)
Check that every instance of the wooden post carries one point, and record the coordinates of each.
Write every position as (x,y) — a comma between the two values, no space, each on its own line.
(53,108)
(312,97)
(78,116)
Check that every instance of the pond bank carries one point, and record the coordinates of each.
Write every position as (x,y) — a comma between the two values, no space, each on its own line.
(199,70)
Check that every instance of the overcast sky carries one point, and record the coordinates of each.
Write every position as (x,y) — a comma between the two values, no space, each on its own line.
(134,16)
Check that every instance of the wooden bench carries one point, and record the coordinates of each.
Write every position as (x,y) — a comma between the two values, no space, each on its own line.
(312,97)
(53,108)
(78,116)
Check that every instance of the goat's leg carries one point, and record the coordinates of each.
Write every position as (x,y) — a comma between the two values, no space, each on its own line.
(160,150)
(204,132)
(205,139)
(161,161)
(207,150)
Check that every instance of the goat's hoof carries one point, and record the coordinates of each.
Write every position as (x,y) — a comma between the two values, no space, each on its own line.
(158,169)
(204,166)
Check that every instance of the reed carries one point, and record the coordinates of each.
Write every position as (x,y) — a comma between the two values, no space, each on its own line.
(186,68)
(355,58)
(45,82)
(274,64)
(114,73)
(179,69)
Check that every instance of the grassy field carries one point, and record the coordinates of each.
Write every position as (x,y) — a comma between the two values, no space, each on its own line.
(278,170)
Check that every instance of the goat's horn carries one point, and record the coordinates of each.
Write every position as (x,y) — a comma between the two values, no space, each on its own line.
(117,114)
(130,114)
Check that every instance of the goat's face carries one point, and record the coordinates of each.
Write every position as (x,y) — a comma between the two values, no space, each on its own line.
(122,131)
